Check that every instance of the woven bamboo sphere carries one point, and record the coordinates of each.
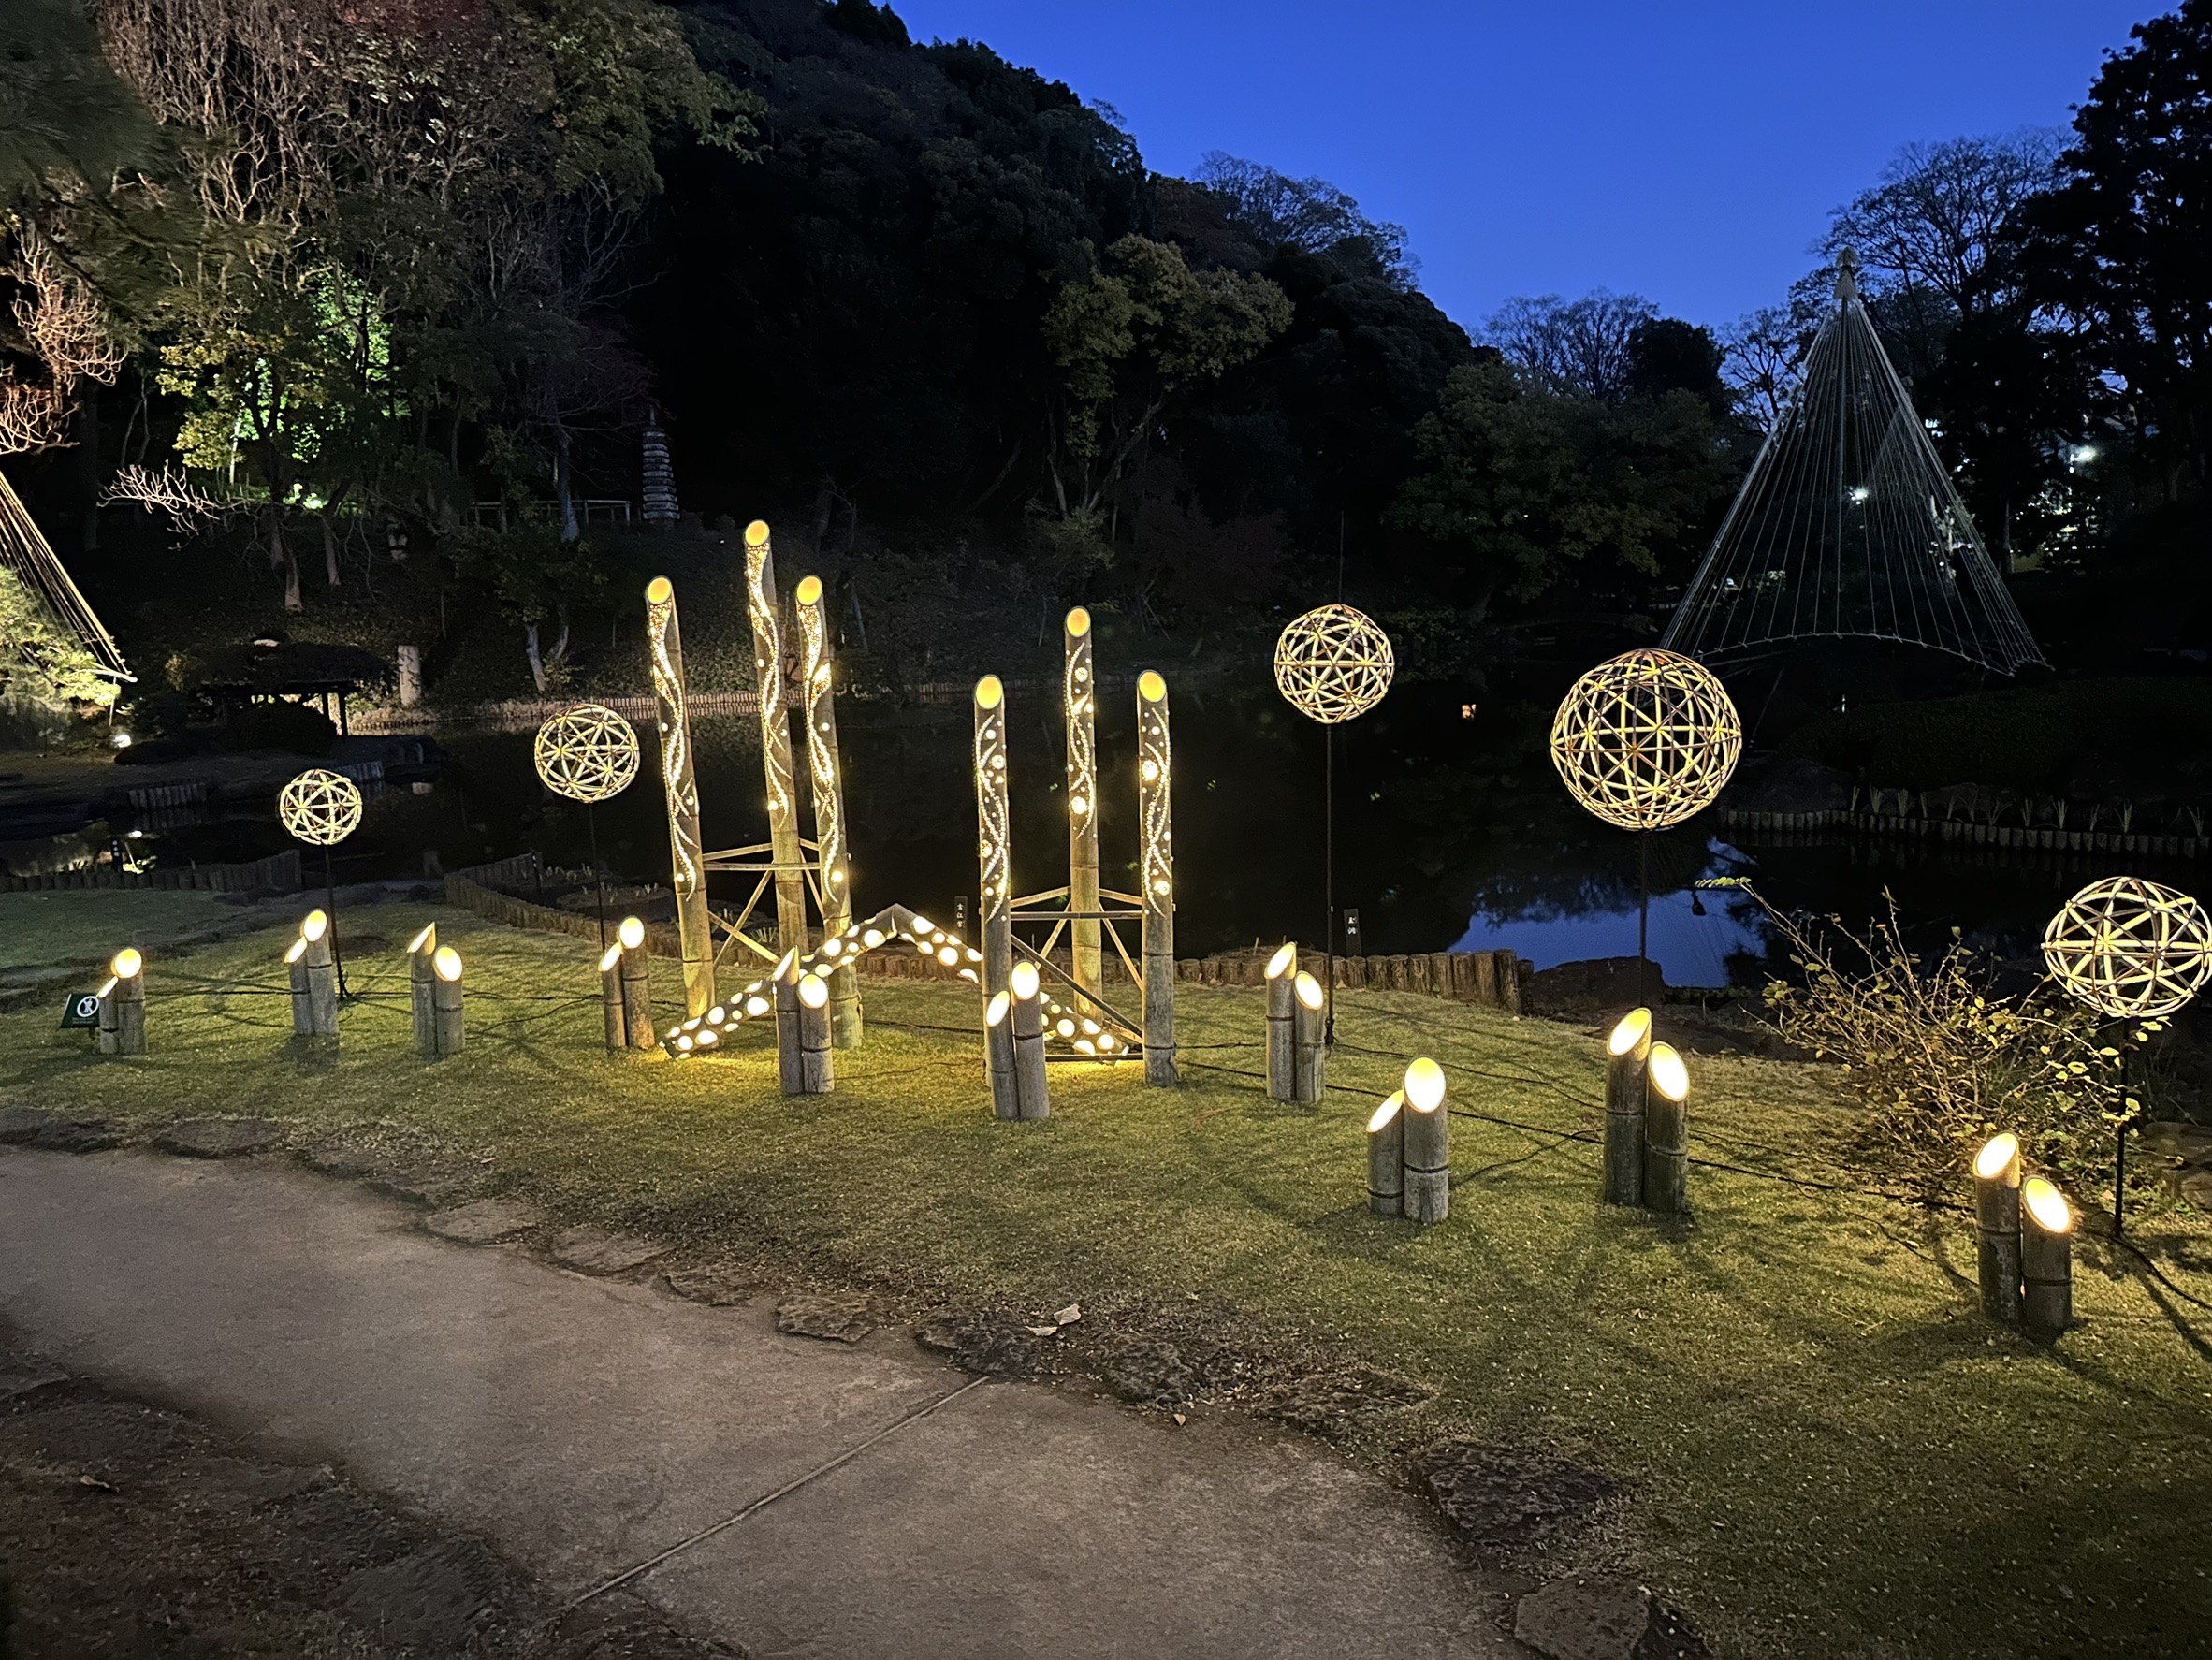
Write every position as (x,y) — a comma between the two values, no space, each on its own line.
(1646,739)
(320,808)
(1334,664)
(586,753)
(2127,947)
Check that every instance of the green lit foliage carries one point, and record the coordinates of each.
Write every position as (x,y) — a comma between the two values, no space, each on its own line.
(43,666)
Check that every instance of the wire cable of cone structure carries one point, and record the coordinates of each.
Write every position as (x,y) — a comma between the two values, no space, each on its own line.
(27,554)
(1849,526)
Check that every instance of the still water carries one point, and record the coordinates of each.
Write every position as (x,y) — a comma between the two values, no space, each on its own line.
(1449,831)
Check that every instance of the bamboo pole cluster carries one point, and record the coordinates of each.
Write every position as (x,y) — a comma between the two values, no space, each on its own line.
(122,1005)
(626,988)
(315,979)
(1647,1147)
(2025,1245)
(1296,1057)
(803,1064)
(680,785)
(1409,1149)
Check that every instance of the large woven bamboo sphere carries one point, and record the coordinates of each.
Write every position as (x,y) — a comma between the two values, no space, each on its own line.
(1334,664)
(2127,947)
(1646,739)
(586,753)
(320,808)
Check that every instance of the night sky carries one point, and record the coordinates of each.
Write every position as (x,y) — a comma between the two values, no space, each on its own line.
(1686,151)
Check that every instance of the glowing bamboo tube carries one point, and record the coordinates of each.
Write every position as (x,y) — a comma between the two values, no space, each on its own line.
(1997,1215)
(1666,1133)
(826,781)
(2047,1259)
(1079,689)
(122,1005)
(303,1019)
(1155,863)
(1386,1157)
(998,1056)
(1309,1057)
(421,998)
(763,605)
(322,976)
(1282,1055)
(816,1072)
(1032,1099)
(637,984)
(446,1003)
(610,1000)
(1628,1052)
(994,835)
(688,875)
(1427,1144)
(791,1065)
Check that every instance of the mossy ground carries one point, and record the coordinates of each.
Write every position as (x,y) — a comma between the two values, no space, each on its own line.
(1828,1450)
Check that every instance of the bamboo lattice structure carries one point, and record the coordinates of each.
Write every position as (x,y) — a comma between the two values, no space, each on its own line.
(2130,948)
(1334,664)
(320,808)
(1646,739)
(25,552)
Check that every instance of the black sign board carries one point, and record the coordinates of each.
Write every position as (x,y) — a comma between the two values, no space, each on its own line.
(82,1013)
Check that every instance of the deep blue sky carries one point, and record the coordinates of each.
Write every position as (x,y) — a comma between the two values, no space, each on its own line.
(1685,150)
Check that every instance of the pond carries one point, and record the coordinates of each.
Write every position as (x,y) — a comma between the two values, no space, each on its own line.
(1451,831)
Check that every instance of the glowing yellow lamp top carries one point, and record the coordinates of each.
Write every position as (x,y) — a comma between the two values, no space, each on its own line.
(1669,1077)
(2048,1206)
(1308,989)
(659,591)
(1079,622)
(447,963)
(316,925)
(787,968)
(2000,1154)
(1387,1111)
(299,950)
(1000,1002)
(630,933)
(756,532)
(810,591)
(126,964)
(1424,1085)
(427,936)
(614,955)
(1025,981)
(813,991)
(990,691)
(1635,1026)
(1151,687)
(1282,962)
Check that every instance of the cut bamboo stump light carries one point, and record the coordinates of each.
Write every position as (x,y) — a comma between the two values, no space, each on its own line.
(1997,1213)
(637,984)
(1628,1052)
(446,1021)
(610,1000)
(322,976)
(1282,1055)
(1309,1055)
(1427,1144)
(303,1017)
(122,1005)
(1031,1098)
(2047,1259)
(998,1056)
(791,1068)
(422,996)
(1386,1157)
(817,1071)
(1666,1132)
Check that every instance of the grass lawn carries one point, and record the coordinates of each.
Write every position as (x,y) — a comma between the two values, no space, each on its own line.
(38,928)
(1829,1451)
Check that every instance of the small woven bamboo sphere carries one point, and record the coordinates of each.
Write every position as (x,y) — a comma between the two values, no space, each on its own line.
(320,808)
(1334,664)
(586,753)
(2127,947)
(1646,739)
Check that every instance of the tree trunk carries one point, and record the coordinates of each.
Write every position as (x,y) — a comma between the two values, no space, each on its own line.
(330,574)
(563,485)
(280,558)
(530,649)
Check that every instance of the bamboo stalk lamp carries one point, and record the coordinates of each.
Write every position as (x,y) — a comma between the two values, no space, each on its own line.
(1427,1144)
(817,1074)
(1385,1157)
(321,976)
(1997,1218)
(303,1019)
(764,606)
(1309,1055)
(1032,1099)
(610,1000)
(446,1003)
(791,1067)
(1156,862)
(122,1005)
(2048,1225)
(680,785)
(1079,698)
(1666,1145)
(994,835)
(637,984)
(1282,1053)
(422,999)
(826,790)
(998,1056)
(1628,1052)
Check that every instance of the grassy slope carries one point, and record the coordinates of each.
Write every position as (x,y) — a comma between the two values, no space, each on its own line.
(1830,1452)
(63,928)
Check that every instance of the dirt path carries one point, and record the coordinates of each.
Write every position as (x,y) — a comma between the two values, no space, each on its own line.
(782,1494)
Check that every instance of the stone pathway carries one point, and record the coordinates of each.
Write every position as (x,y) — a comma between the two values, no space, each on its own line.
(767,1490)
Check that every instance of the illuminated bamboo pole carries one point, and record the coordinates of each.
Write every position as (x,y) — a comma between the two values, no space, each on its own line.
(322,975)
(422,952)
(680,784)
(1628,1052)
(763,605)
(998,1056)
(446,1003)
(1386,1157)
(1155,848)
(994,835)
(1666,1132)
(1078,688)
(1997,1216)
(637,984)
(122,1005)
(303,1019)
(1427,1144)
(1309,1055)
(1282,1053)
(2047,1259)
(817,1071)
(610,1000)
(825,775)
(1032,1099)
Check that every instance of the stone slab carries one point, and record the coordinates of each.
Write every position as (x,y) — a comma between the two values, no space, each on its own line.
(485,1221)
(219,1138)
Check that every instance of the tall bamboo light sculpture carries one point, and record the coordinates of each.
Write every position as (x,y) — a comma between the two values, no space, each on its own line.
(763,605)
(1332,664)
(826,789)
(122,1005)
(680,785)
(1644,741)
(994,835)
(2130,950)
(1155,871)
(1079,698)
(1628,1052)
(1997,1217)
(588,753)
(322,809)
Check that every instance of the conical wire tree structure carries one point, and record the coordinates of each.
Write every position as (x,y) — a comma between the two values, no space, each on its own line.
(25,553)
(1849,525)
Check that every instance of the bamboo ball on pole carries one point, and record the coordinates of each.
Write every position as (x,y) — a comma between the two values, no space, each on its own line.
(2130,948)
(320,808)
(1334,664)
(1646,739)
(586,753)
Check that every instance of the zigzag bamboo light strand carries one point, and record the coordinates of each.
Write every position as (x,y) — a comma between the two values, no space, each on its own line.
(818,686)
(687,877)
